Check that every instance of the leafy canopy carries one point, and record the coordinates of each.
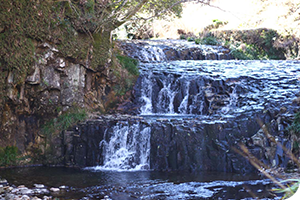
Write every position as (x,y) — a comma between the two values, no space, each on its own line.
(94,15)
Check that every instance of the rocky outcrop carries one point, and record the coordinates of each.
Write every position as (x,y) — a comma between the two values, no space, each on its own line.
(188,144)
(198,114)
(56,84)
(52,61)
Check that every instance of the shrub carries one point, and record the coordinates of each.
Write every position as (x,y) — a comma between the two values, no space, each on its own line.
(8,155)
(295,126)
(129,64)
(182,37)
(64,121)
(190,39)
(250,52)
(209,40)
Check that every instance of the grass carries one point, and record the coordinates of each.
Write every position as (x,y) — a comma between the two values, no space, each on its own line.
(64,121)
(290,190)
(295,127)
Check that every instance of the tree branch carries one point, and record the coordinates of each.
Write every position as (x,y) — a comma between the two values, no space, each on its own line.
(132,12)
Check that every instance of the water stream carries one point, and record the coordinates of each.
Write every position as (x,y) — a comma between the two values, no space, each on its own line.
(149,185)
(180,90)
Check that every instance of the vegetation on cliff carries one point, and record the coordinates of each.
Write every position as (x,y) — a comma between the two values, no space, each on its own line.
(8,156)
(57,55)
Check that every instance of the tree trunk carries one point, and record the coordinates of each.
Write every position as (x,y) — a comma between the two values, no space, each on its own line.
(102,50)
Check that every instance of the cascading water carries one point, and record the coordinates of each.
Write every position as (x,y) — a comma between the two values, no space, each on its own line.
(215,87)
(191,115)
(125,147)
(210,91)
(147,95)
(184,104)
(166,50)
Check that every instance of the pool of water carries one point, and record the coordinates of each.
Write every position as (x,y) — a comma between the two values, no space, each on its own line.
(93,184)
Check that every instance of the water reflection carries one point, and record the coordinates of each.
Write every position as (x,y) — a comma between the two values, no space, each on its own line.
(140,184)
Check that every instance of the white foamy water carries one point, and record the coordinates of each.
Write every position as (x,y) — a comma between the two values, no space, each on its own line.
(125,147)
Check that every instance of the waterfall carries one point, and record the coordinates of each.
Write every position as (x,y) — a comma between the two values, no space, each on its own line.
(146,94)
(213,88)
(126,147)
(166,98)
(184,104)
(233,100)
(184,97)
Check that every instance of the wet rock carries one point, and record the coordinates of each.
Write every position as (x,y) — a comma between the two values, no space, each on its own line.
(54,189)
(39,185)
(41,191)
(3,181)
(259,139)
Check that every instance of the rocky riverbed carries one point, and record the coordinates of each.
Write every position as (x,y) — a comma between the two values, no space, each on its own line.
(22,192)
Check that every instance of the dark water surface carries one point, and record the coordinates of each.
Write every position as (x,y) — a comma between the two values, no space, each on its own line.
(91,184)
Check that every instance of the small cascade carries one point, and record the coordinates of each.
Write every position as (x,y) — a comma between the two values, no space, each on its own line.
(152,54)
(125,147)
(184,104)
(166,98)
(146,96)
(214,87)
(233,100)
(167,50)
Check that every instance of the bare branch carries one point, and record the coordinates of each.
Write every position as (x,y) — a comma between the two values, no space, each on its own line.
(119,7)
(133,11)
(204,2)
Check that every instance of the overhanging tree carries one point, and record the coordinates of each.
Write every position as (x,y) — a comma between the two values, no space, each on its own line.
(98,18)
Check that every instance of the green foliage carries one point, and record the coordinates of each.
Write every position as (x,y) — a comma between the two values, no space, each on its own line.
(250,52)
(8,155)
(209,40)
(125,86)
(190,39)
(267,43)
(129,64)
(24,24)
(182,37)
(295,126)
(90,6)
(290,190)
(64,121)
(164,7)
(22,21)
(256,43)
(217,23)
